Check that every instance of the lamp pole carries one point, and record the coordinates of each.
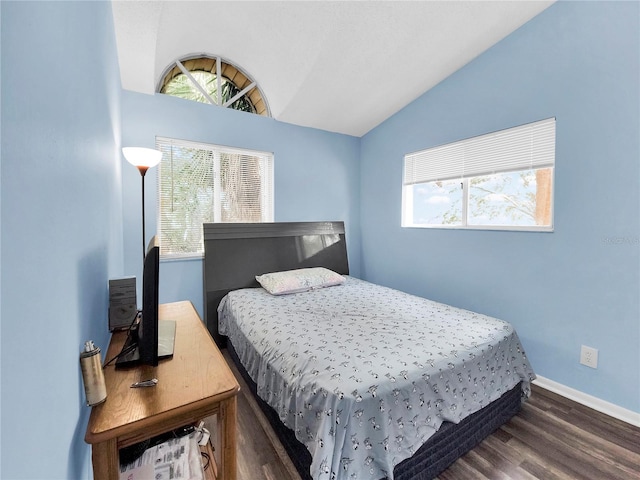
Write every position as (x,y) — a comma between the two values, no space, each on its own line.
(143,171)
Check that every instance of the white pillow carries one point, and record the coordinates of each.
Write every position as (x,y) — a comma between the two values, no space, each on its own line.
(300,280)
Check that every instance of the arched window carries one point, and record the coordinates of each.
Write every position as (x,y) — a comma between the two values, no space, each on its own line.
(213,80)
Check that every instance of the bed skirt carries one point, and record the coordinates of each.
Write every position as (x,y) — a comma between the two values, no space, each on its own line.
(448,444)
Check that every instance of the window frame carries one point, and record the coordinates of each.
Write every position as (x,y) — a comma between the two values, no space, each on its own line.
(407,187)
(466,226)
(267,166)
(225,71)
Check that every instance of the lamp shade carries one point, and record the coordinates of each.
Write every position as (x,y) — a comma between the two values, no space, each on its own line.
(142,157)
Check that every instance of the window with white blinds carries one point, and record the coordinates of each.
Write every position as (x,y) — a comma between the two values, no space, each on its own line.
(201,183)
(500,180)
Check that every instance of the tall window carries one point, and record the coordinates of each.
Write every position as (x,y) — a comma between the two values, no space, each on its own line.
(502,180)
(200,183)
(215,81)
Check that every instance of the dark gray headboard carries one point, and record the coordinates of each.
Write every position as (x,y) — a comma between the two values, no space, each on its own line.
(234,253)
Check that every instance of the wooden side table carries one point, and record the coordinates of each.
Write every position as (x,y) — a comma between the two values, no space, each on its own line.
(194,384)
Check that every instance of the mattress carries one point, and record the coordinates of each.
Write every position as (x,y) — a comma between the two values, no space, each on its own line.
(364,375)
(450,442)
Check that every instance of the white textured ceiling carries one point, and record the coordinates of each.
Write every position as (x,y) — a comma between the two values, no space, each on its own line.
(341,66)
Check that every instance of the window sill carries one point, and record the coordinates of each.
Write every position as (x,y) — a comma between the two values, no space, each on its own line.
(182,258)
(499,228)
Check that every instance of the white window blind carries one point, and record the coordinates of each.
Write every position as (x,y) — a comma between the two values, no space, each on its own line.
(526,147)
(202,183)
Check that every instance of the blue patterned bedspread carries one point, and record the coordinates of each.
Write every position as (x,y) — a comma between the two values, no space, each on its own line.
(365,374)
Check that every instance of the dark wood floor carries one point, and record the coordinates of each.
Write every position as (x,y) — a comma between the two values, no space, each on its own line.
(551,438)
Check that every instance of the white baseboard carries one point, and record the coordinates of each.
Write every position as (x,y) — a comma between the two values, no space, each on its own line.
(587,400)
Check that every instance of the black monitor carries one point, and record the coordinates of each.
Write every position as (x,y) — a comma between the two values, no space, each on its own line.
(148,326)
(141,346)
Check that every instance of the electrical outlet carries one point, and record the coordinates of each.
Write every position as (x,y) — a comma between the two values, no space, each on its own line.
(589,356)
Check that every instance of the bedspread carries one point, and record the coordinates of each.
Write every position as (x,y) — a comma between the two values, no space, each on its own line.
(365,374)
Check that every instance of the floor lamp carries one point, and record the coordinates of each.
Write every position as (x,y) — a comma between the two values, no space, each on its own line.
(143,159)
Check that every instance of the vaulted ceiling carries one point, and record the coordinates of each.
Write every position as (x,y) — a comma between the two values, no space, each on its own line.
(341,66)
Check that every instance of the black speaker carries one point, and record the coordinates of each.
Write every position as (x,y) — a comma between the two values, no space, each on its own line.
(123,306)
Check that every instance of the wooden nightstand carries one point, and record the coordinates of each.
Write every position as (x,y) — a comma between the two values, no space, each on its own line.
(194,384)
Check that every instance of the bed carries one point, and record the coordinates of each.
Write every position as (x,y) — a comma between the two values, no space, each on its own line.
(358,380)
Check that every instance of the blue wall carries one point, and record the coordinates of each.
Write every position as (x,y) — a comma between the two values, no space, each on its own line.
(316,175)
(61,225)
(578,62)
